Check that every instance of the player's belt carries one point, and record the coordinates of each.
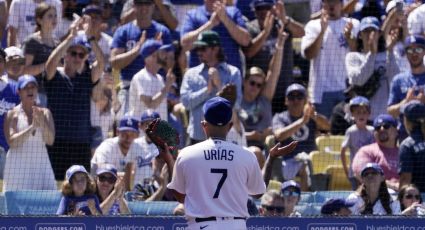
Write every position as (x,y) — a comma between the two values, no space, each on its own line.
(213,218)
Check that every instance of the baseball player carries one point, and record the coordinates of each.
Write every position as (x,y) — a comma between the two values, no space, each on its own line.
(214,178)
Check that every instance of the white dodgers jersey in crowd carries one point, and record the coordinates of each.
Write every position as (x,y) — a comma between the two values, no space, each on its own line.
(216,176)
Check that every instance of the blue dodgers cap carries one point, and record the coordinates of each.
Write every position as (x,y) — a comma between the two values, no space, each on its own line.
(128,123)
(149,47)
(73,170)
(290,183)
(384,119)
(167,48)
(413,110)
(257,3)
(24,80)
(92,9)
(107,168)
(359,101)
(295,87)
(334,205)
(369,22)
(217,111)
(373,166)
(81,41)
(149,115)
(414,40)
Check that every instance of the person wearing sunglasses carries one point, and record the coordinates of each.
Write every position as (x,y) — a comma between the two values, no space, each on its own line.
(110,191)
(383,152)
(373,196)
(15,64)
(412,149)
(291,195)
(411,200)
(272,204)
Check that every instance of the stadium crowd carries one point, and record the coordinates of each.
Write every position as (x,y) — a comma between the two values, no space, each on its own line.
(82,79)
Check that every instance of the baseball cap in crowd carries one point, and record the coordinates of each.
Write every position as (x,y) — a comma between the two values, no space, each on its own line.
(207,38)
(296,87)
(149,47)
(217,111)
(290,184)
(384,119)
(13,52)
(149,115)
(92,9)
(167,48)
(128,123)
(262,3)
(392,4)
(107,168)
(334,205)
(414,40)
(369,22)
(376,167)
(255,71)
(143,1)
(73,170)
(413,110)
(359,101)
(24,80)
(81,41)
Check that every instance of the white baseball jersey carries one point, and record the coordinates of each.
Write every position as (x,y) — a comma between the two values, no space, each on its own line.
(217,176)
(147,84)
(144,154)
(109,152)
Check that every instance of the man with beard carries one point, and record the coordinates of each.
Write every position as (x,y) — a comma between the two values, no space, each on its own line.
(383,152)
(147,88)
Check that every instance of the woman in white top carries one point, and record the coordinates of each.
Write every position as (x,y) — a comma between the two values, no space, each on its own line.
(28,128)
(373,197)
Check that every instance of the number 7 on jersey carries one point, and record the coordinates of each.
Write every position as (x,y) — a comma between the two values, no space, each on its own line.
(221,182)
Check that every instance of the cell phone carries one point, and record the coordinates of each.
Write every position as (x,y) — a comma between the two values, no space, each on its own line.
(399,7)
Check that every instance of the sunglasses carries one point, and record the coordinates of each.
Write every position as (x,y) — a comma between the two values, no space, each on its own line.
(293,97)
(366,174)
(386,126)
(256,84)
(417,50)
(109,179)
(18,61)
(75,54)
(411,196)
(261,8)
(273,208)
(290,193)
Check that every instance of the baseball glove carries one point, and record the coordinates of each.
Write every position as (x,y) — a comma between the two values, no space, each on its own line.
(161,132)
(228,92)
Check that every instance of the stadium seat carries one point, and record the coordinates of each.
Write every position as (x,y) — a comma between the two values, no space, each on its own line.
(329,143)
(309,209)
(152,208)
(321,160)
(338,179)
(32,202)
(306,197)
(322,196)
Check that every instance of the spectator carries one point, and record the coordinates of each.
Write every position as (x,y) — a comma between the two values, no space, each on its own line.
(336,207)
(15,64)
(383,152)
(411,200)
(69,8)
(127,42)
(68,92)
(416,21)
(371,71)
(327,40)
(373,197)
(28,128)
(119,151)
(227,21)
(202,82)
(340,119)
(269,15)
(299,123)
(258,91)
(272,204)
(358,135)
(23,22)
(411,168)
(78,191)
(291,193)
(147,88)
(110,191)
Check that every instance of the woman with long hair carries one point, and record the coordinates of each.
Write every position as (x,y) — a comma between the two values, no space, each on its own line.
(373,197)
(411,200)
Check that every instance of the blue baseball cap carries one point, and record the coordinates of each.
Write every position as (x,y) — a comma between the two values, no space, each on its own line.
(359,101)
(217,111)
(128,123)
(24,80)
(149,47)
(413,110)
(376,167)
(81,41)
(384,119)
(167,48)
(296,87)
(107,168)
(369,22)
(290,183)
(73,170)
(257,3)
(149,115)
(334,205)
(414,40)
(92,9)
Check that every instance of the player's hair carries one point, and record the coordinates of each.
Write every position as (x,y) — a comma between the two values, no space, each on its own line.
(90,187)
(40,11)
(383,196)
(403,191)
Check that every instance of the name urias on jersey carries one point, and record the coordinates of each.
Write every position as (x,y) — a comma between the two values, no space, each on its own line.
(219,154)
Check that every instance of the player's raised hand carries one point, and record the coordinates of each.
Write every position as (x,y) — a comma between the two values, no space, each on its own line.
(277,150)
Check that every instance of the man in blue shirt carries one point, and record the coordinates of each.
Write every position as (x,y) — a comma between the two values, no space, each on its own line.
(226,21)
(202,82)
(127,42)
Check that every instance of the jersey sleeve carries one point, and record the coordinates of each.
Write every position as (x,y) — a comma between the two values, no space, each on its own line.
(312,30)
(256,185)
(62,207)
(119,39)
(347,139)
(178,182)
